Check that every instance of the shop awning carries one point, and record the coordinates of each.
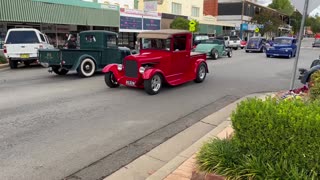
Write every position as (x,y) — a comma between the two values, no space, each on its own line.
(50,13)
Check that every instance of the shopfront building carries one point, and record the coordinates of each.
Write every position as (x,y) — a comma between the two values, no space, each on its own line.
(56,18)
(133,21)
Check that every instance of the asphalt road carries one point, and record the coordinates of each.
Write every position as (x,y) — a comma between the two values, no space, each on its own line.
(53,126)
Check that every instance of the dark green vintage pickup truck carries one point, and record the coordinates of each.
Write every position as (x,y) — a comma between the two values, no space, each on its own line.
(97,49)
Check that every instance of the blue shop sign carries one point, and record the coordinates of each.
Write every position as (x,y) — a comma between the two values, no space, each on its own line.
(244,27)
(151,24)
(132,23)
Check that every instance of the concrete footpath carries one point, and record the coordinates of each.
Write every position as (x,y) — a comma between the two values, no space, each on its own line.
(2,66)
(163,161)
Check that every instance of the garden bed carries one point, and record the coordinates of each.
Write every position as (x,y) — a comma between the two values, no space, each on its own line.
(3,60)
(278,138)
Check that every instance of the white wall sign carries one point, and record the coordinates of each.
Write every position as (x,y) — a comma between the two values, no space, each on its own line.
(150,5)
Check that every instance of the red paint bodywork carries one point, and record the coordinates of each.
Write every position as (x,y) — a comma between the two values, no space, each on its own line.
(176,67)
(243,43)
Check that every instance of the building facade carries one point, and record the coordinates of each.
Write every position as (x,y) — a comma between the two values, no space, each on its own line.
(57,17)
(210,8)
(133,21)
(240,13)
(192,10)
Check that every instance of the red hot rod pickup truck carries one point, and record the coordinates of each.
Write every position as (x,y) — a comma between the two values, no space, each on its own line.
(165,57)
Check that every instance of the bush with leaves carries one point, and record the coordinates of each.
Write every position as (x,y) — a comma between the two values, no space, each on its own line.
(183,24)
(272,140)
(315,86)
(3,60)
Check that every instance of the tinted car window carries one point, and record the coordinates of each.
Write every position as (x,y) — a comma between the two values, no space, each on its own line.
(42,38)
(234,38)
(199,38)
(163,44)
(221,38)
(112,40)
(90,38)
(283,41)
(22,37)
(180,43)
(212,42)
(254,40)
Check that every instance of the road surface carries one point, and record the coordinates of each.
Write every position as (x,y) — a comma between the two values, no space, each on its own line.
(53,126)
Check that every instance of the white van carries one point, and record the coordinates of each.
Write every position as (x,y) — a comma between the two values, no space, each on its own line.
(22,45)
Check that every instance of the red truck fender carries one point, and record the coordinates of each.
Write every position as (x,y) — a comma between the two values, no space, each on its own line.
(198,62)
(110,67)
(150,72)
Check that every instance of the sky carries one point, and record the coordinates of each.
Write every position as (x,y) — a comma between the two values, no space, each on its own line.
(267,2)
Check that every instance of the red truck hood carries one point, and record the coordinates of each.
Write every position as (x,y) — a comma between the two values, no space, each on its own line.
(146,57)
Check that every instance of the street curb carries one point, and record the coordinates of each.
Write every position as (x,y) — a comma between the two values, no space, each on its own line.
(159,162)
(2,66)
(172,165)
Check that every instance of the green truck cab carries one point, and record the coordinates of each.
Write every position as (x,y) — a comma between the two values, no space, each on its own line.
(97,49)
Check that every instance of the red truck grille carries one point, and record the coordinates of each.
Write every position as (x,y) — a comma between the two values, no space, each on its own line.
(131,68)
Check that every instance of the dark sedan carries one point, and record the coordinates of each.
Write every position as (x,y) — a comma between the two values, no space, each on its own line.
(256,44)
(316,43)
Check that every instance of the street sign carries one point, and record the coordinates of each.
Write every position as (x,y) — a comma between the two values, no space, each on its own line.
(257,30)
(192,25)
(192,28)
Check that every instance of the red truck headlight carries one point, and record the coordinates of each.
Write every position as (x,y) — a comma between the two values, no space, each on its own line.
(120,67)
(142,69)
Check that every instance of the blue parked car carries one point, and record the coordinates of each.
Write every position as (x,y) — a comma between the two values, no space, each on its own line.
(283,46)
(256,44)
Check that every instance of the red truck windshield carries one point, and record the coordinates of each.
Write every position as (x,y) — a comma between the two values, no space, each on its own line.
(163,44)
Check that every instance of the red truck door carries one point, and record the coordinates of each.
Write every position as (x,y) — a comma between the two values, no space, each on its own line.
(180,56)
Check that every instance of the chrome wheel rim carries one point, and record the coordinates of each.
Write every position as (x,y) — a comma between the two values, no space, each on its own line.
(216,55)
(156,83)
(202,72)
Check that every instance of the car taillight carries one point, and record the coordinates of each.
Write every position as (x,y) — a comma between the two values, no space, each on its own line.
(5,49)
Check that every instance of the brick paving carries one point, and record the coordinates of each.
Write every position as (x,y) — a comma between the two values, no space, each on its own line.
(186,169)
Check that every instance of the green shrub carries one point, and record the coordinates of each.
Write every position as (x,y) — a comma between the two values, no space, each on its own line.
(272,140)
(222,152)
(315,87)
(3,60)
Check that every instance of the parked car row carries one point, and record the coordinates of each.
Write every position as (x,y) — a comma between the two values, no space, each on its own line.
(165,57)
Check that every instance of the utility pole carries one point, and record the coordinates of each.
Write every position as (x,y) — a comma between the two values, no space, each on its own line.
(295,65)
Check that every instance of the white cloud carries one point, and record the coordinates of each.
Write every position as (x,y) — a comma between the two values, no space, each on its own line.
(267,2)
(316,11)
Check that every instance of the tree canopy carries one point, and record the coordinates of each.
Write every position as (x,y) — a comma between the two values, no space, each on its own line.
(283,6)
(315,24)
(295,21)
(270,22)
(182,23)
